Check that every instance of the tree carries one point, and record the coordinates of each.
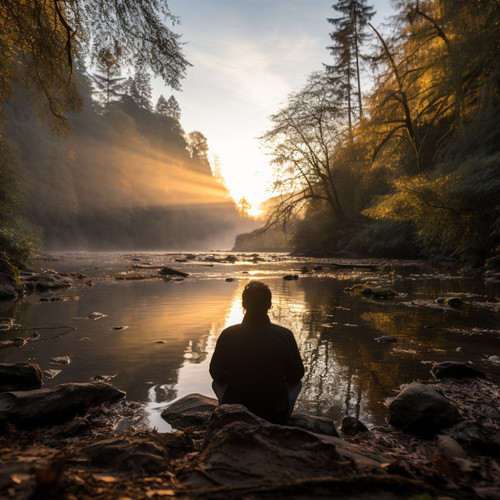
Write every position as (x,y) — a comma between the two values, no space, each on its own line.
(304,141)
(169,108)
(197,146)
(41,39)
(243,206)
(348,37)
(107,79)
(139,88)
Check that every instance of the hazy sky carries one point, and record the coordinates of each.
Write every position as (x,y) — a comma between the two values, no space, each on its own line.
(247,56)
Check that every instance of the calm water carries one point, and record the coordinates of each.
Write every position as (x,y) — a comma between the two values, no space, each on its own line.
(172,327)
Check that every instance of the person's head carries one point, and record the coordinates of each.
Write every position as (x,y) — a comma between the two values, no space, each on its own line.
(256,297)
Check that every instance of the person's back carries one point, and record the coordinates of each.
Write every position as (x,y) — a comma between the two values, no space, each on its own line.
(256,363)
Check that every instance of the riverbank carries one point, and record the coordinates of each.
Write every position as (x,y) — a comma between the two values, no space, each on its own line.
(226,452)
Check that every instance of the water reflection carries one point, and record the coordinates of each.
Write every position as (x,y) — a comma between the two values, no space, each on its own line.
(165,352)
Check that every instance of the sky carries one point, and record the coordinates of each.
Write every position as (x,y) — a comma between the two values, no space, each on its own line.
(247,56)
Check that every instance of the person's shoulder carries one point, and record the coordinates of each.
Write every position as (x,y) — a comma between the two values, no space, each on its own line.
(231,330)
(280,330)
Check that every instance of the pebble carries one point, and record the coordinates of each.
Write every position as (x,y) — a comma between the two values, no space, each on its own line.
(60,360)
(97,315)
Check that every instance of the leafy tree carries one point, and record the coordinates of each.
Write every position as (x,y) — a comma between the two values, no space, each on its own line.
(169,108)
(304,142)
(41,39)
(197,146)
(348,37)
(107,79)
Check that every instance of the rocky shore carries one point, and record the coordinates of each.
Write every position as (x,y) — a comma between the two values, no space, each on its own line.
(441,440)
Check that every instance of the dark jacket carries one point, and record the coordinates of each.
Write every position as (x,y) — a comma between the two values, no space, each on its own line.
(257,360)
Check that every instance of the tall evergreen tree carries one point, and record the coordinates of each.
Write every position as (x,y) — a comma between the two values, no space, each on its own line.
(348,37)
(107,79)
(169,108)
(139,88)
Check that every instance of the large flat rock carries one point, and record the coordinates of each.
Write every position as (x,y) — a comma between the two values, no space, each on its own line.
(241,448)
(42,407)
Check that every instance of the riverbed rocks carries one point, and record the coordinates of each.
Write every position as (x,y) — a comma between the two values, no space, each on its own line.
(168,271)
(20,377)
(41,407)
(386,339)
(454,369)
(241,448)
(421,410)
(46,280)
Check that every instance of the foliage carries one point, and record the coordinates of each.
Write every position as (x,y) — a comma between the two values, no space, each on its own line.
(107,79)
(304,142)
(168,108)
(17,241)
(139,88)
(41,39)
(423,164)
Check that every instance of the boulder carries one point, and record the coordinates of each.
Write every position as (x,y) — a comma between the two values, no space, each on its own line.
(192,410)
(473,437)
(20,377)
(122,455)
(241,448)
(42,407)
(10,289)
(351,426)
(421,410)
(454,369)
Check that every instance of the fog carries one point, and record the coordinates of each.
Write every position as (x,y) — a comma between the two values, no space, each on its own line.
(124,178)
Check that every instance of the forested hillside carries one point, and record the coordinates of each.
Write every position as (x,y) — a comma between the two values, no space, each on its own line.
(393,149)
(126,176)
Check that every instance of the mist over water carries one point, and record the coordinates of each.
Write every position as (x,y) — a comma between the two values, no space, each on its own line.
(172,326)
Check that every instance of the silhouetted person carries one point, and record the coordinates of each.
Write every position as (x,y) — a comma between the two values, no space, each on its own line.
(257,363)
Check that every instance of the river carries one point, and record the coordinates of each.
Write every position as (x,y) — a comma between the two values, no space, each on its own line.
(168,329)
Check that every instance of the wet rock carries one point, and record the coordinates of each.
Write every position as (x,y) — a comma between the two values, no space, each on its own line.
(383,293)
(449,301)
(192,410)
(15,342)
(229,280)
(8,324)
(494,359)
(318,268)
(351,426)
(97,315)
(386,339)
(50,374)
(305,270)
(60,360)
(421,410)
(42,407)
(231,259)
(449,447)
(290,277)
(123,455)
(10,289)
(167,271)
(48,280)
(318,425)
(20,377)
(454,369)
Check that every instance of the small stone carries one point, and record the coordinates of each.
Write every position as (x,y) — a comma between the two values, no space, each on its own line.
(97,315)
(229,279)
(289,277)
(449,447)
(352,426)
(60,360)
